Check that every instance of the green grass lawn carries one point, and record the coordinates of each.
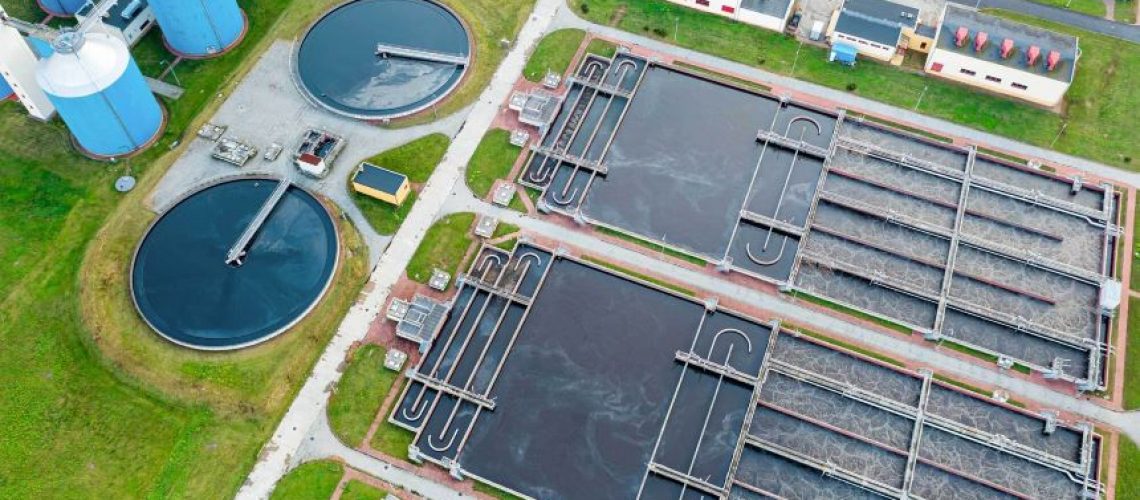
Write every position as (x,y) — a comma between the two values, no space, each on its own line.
(1100,122)
(1125,11)
(356,490)
(107,409)
(358,396)
(492,160)
(1093,8)
(1132,357)
(443,246)
(309,481)
(553,53)
(1128,469)
(417,160)
(601,48)
(494,492)
(392,440)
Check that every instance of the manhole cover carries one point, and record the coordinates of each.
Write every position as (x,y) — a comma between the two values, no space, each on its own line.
(124,184)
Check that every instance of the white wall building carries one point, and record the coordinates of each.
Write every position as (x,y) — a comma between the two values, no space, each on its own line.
(879,29)
(1003,56)
(770,14)
(18,66)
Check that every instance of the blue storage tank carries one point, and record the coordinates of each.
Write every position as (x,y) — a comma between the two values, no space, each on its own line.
(62,7)
(199,28)
(5,89)
(100,94)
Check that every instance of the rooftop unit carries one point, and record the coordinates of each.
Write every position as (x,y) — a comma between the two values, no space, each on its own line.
(418,320)
(317,152)
(233,151)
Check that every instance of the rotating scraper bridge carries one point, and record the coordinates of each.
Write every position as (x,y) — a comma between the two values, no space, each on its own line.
(964,247)
(756,410)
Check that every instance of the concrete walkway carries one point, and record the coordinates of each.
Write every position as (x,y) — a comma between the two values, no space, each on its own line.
(309,406)
(783,308)
(567,18)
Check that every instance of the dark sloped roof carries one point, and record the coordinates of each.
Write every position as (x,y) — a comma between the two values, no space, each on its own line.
(1023,35)
(380,179)
(774,8)
(876,20)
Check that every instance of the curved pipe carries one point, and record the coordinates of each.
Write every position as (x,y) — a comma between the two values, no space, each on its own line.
(813,121)
(523,257)
(762,262)
(747,341)
(485,264)
(432,445)
(418,413)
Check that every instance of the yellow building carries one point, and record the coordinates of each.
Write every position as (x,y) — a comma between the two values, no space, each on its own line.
(381,183)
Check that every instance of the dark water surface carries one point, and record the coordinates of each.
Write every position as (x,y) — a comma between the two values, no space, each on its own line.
(339,67)
(184,288)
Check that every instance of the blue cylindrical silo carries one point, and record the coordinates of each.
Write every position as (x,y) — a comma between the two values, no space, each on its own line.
(199,28)
(62,7)
(5,89)
(100,94)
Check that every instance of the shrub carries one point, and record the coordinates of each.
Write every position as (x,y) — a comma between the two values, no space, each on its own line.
(660,32)
(585,8)
(851,87)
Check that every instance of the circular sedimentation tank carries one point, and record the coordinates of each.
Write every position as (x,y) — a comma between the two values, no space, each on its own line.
(185,287)
(340,66)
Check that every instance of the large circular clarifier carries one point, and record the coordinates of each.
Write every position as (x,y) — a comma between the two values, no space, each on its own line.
(186,290)
(340,67)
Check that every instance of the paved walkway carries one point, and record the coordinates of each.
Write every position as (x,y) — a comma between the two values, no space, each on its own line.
(568,19)
(779,306)
(1103,26)
(309,406)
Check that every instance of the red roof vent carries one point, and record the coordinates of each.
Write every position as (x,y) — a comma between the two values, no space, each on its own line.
(1052,59)
(961,35)
(1006,48)
(1032,55)
(980,41)
(310,159)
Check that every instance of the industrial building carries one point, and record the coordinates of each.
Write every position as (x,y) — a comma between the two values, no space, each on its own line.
(129,20)
(878,29)
(1004,57)
(18,71)
(381,184)
(770,14)
(199,29)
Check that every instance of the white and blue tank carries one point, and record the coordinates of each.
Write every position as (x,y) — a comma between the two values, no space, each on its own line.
(64,8)
(100,93)
(199,28)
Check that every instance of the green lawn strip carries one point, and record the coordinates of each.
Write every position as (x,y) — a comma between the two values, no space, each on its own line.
(416,159)
(926,133)
(723,78)
(815,299)
(493,160)
(643,277)
(1135,273)
(1003,156)
(443,246)
(384,217)
(356,490)
(652,246)
(309,481)
(1101,98)
(965,349)
(392,440)
(358,396)
(554,53)
(508,244)
(1127,468)
(533,194)
(503,230)
(488,22)
(975,389)
(1132,357)
(1093,8)
(601,47)
(494,492)
(517,203)
(1125,11)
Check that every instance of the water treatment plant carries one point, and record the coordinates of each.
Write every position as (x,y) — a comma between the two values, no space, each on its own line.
(383,59)
(624,249)
(234,263)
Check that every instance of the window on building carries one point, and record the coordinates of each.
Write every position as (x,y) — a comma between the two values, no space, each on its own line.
(728,9)
(965,71)
(703,2)
(993,79)
(936,67)
(922,46)
(1019,86)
